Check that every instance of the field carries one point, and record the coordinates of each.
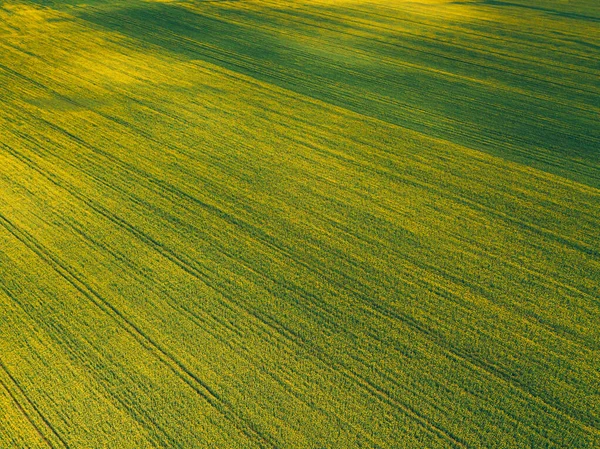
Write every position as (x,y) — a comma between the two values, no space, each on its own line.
(300,224)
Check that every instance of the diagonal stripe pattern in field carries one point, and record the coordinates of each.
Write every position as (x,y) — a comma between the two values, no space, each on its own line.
(299,224)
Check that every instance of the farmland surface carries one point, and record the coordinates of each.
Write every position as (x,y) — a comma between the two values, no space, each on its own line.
(300,224)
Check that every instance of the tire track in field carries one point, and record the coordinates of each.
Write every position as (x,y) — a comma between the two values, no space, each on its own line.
(176,192)
(340,20)
(254,65)
(305,295)
(23,412)
(73,353)
(495,22)
(585,249)
(162,111)
(183,258)
(188,266)
(169,254)
(145,134)
(290,335)
(396,63)
(384,42)
(198,321)
(54,439)
(202,389)
(201,322)
(351,101)
(477,35)
(450,128)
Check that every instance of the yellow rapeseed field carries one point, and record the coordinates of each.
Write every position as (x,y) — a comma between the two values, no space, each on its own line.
(299,224)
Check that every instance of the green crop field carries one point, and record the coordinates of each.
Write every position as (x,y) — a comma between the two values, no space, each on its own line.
(299,224)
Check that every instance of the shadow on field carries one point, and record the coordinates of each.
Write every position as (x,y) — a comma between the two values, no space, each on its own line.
(439,86)
(563,14)
(184,32)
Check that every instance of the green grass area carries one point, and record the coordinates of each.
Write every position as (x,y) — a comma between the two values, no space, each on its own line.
(300,224)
